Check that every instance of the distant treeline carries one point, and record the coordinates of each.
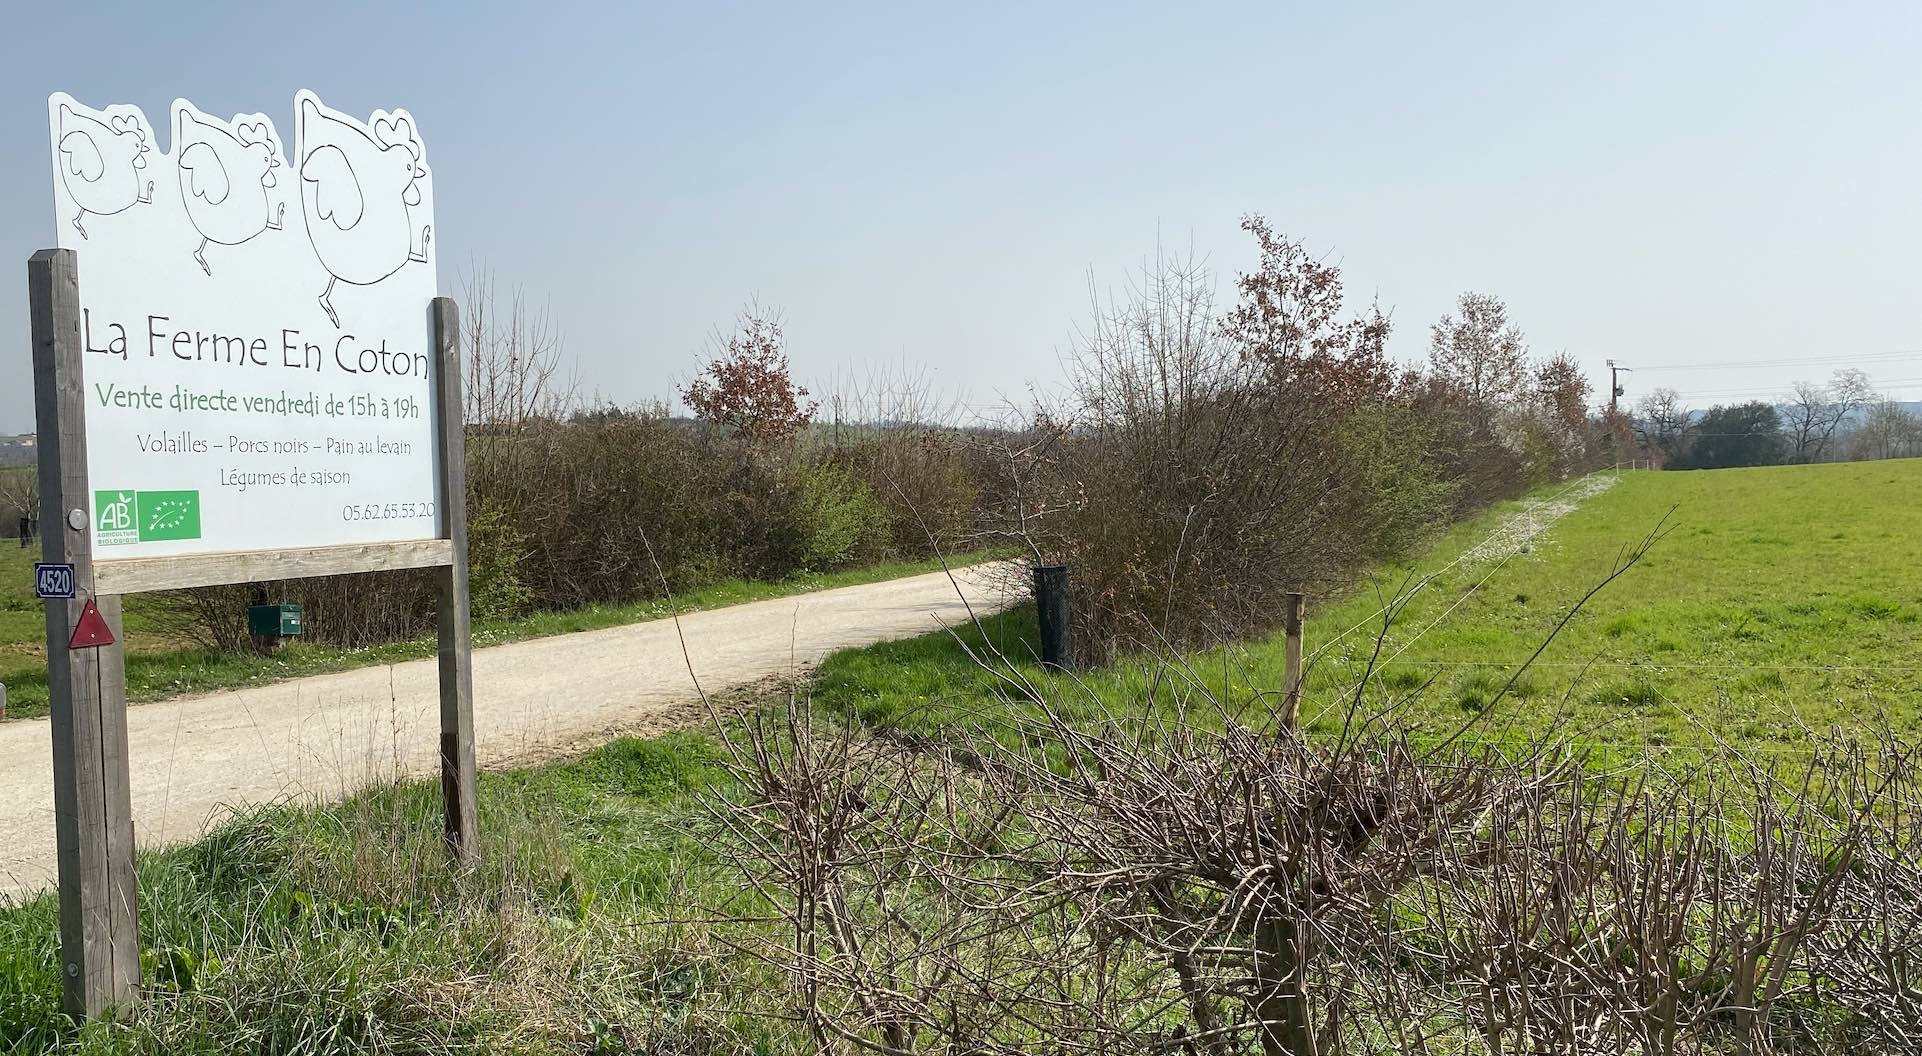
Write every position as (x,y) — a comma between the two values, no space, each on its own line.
(1844,420)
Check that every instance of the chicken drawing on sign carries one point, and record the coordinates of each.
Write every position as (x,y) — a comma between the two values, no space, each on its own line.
(280,278)
(358,184)
(227,176)
(103,159)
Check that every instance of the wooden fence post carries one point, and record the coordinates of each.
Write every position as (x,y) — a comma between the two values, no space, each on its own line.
(457,771)
(1297,605)
(87,688)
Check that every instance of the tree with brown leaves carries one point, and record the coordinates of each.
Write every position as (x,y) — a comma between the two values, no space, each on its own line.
(747,386)
(1288,319)
(1563,389)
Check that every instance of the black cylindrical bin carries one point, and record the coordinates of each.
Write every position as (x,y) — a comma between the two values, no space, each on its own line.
(1051,603)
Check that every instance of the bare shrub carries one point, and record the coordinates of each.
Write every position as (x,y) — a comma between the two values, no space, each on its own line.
(583,492)
(873,860)
(349,612)
(890,430)
(1195,883)
(564,502)
(923,478)
(1180,875)
(1209,464)
(1664,912)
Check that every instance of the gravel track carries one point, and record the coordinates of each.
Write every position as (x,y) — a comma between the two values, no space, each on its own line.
(194,758)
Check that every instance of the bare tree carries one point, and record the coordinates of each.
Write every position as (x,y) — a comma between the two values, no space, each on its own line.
(1888,430)
(1481,351)
(1662,422)
(20,490)
(888,397)
(514,392)
(513,357)
(1209,462)
(893,430)
(1812,418)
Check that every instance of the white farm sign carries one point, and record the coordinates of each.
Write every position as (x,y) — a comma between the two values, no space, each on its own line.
(259,359)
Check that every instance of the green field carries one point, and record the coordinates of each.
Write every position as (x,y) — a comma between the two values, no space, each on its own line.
(1780,599)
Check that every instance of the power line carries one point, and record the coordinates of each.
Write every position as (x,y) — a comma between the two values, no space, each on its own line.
(1864,357)
(1898,383)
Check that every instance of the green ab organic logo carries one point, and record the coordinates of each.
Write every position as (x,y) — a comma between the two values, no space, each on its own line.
(122,517)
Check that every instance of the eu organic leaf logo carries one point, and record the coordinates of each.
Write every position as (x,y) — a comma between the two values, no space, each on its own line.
(169,514)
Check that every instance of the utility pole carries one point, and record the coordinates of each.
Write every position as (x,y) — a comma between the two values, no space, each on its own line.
(1615,389)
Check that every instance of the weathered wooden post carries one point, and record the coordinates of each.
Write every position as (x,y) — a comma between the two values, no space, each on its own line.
(457,770)
(1051,604)
(1296,608)
(86,682)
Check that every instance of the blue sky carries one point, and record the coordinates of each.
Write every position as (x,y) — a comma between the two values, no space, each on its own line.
(1668,185)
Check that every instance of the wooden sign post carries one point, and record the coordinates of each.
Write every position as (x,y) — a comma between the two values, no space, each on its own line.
(457,772)
(87,686)
(254,380)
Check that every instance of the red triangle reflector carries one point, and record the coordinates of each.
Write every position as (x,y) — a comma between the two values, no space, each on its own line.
(91,632)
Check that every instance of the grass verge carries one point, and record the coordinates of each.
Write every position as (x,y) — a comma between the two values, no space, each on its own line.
(341,929)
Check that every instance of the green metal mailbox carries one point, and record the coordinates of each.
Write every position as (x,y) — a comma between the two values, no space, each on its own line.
(273,621)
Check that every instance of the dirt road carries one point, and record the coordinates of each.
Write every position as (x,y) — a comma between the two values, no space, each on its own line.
(322,736)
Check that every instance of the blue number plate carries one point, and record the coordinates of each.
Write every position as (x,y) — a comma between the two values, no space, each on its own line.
(53,581)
